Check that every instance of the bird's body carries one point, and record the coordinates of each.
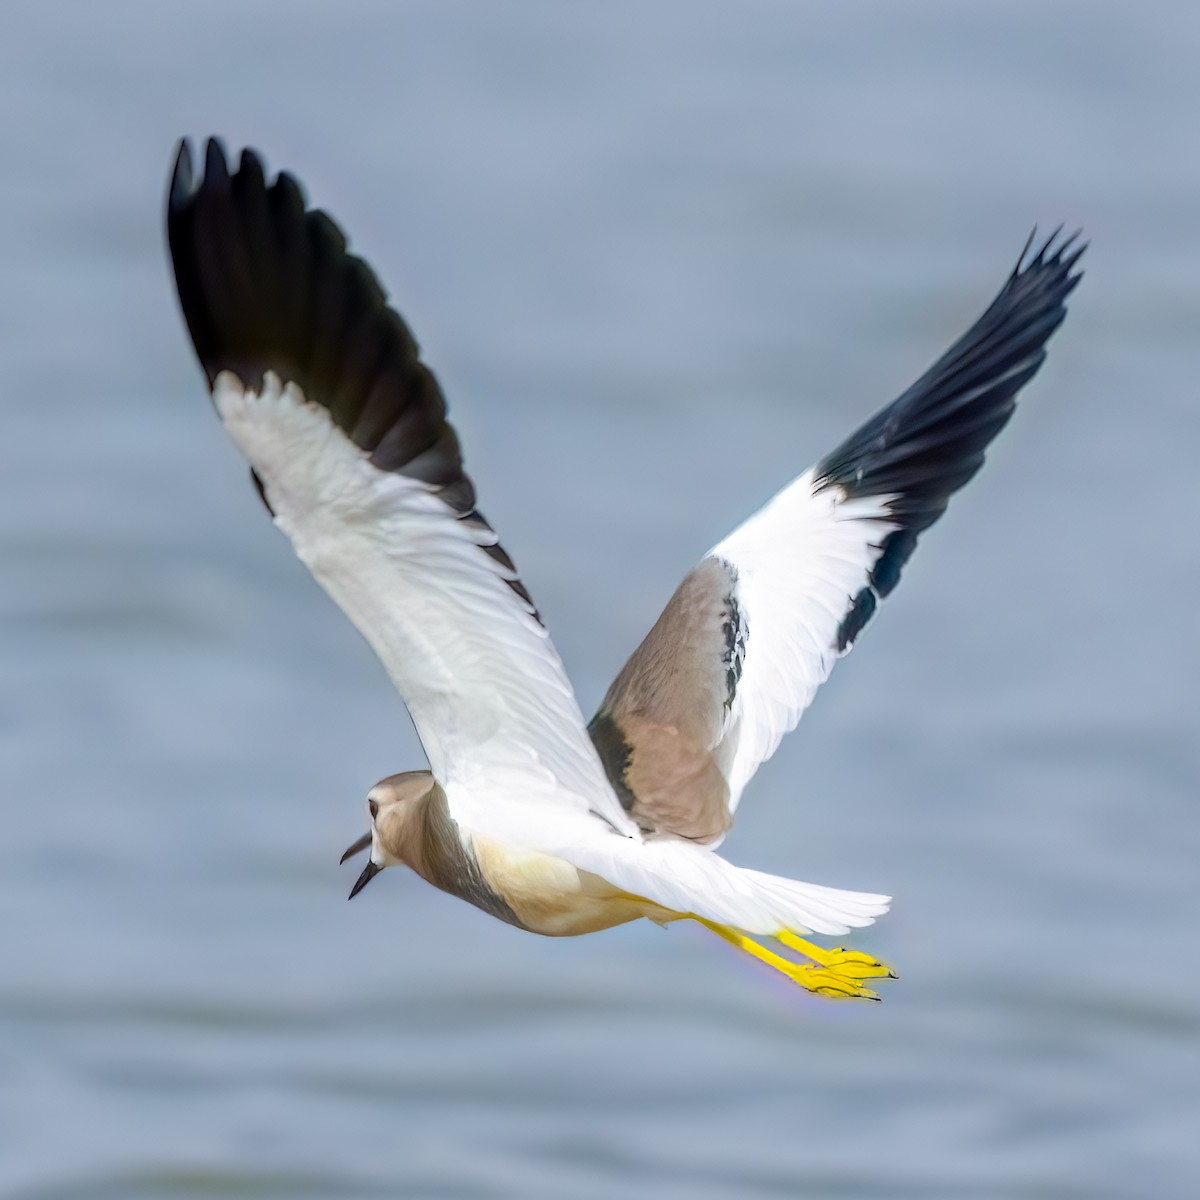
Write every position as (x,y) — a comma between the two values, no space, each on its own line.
(542,821)
(534,890)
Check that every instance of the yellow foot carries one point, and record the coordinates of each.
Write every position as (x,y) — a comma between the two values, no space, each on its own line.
(841,961)
(838,977)
(828,983)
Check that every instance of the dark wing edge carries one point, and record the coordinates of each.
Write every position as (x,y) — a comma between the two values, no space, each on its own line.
(930,441)
(267,284)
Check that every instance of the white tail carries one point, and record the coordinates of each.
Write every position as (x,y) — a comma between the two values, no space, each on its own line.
(812,908)
(688,879)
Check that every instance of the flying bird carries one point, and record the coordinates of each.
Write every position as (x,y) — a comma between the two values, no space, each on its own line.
(527,811)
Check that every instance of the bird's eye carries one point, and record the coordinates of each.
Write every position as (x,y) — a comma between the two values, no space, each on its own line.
(373,808)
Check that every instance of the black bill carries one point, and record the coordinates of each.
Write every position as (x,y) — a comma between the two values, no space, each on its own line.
(369,873)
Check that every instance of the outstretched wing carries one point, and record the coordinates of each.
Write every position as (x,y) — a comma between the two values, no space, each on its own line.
(756,627)
(320,385)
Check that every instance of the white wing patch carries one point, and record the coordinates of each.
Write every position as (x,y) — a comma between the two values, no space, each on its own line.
(800,561)
(486,689)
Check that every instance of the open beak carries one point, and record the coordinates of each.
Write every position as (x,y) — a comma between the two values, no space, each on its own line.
(358,847)
(369,873)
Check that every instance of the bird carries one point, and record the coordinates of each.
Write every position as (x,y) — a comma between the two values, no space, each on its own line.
(552,824)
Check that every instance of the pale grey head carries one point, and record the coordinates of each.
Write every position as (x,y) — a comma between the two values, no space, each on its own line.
(396,806)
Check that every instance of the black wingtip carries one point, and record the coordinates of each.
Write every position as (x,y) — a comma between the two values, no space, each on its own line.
(1041,256)
(1019,265)
(1055,251)
(931,440)
(252,169)
(268,284)
(183,176)
(216,166)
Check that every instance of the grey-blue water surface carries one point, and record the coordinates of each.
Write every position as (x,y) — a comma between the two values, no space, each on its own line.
(662,255)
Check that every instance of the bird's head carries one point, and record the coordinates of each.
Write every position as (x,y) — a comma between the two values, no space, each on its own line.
(394,805)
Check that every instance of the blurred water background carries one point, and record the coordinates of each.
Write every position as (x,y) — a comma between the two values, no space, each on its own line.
(662,256)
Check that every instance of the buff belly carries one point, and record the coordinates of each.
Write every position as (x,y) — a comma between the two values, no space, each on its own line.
(551,896)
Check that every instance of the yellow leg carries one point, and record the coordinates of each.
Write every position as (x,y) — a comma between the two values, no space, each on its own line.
(841,961)
(819,979)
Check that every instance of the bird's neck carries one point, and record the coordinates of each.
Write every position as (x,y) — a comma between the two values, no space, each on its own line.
(441,856)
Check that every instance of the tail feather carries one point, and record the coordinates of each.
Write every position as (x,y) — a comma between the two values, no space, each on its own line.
(811,907)
(690,880)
